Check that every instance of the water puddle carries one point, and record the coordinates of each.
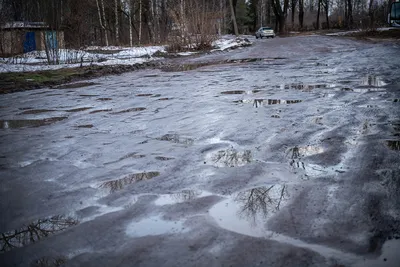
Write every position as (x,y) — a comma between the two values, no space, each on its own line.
(180,197)
(144,94)
(229,158)
(154,226)
(36,111)
(100,110)
(14,124)
(89,95)
(163,158)
(237,92)
(393,144)
(78,109)
(133,155)
(129,110)
(175,138)
(49,262)
(85,126)
(372,80)
(296,154)
(26,108)
(165,98)
(35,231)
(247,212)
(304,87)
(396,100)
(75,85)
(119,184)
(267,102)
(104,99)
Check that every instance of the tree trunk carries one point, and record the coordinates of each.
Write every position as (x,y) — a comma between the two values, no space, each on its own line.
(318,12)
(350,13)
(235,28)
(301,13)
(327,13)
(140,21)
(294,3)
(116,22)
(371,14)
(104,22)
(101,22)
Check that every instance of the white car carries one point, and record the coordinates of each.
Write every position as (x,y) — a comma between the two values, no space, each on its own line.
(265,32)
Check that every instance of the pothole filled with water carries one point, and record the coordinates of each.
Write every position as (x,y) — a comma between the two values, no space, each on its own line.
(393,144)
(78,109)
(229,158)
(175,138)
(13,124)
(154,226)
(180,197)
(267,102)
(119,184)
(247,212)
(372,80)
(36,111)
(129,110)
(35,231)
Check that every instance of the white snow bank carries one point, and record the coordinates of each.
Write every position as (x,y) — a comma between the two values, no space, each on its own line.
(230,42)
(97,55)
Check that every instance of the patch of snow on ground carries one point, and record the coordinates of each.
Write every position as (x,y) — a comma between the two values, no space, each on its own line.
(230,42)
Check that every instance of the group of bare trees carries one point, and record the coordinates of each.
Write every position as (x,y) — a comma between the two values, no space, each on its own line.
(132,22)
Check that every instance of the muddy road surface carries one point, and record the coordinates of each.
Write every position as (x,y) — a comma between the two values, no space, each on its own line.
(286,153)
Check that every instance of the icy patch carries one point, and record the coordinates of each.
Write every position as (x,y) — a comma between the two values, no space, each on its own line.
(154,226)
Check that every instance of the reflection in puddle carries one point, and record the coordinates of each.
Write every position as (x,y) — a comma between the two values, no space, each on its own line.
(144,94)
(175,138)
(304,87)
(49,262)
(372,80)
(165,98)
(35,231)
(163,158)
(237,92)
(129,110)
(78,109)
(183,196)
(85,126)
(247,212)
(100,110)
(266,102)
(393,144)
(133,155)
(104,99)
(297,153)
(35,111)
(75,85)
(119,184)
(230,158)
(154,226)
(13,124)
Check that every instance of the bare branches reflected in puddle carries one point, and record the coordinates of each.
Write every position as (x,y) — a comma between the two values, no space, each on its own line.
(247,212)
(267,102)
(175,138)
(35,231)
(393,144)
(229,158)
(119,184)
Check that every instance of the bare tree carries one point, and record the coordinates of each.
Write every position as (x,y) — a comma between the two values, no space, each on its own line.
(301,13)
(280,10)
(233,17)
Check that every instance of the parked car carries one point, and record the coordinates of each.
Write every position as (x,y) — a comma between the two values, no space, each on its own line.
(265,32)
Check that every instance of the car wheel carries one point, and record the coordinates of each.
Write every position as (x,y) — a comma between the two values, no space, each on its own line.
(260,37)
(256,37)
